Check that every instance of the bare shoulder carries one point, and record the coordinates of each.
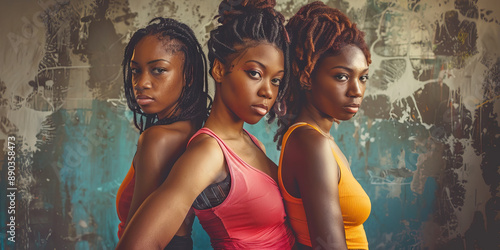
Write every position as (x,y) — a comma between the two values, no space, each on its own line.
(159,147)
(202,163)
(158,136)
(308,141)
(204,152)
(205,147)
(307,147)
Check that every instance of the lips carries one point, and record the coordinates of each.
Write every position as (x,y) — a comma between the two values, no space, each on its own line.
(352,108)
(143,100)
(261,109)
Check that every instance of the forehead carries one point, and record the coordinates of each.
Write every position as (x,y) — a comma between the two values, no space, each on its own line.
(262,52)
(350,56)
(157,45)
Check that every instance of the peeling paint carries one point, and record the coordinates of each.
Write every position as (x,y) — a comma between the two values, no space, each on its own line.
(424,146)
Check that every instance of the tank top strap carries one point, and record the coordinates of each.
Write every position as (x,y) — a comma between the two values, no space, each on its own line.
(285,139)
(292,128)
(220,141)
(285,193)
(211,133)
(254,140)
(337,158)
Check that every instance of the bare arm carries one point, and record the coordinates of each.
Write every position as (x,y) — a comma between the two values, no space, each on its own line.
(317,176)
(160,215)
(157,150)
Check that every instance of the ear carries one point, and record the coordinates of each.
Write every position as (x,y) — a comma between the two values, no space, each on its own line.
(218,71)
(305,81)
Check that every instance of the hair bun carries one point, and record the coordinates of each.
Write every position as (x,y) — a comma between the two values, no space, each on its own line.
(231,8)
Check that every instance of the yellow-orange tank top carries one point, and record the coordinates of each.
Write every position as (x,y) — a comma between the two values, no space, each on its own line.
(354,203)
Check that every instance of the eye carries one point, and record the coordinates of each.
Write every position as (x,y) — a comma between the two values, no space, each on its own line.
(253,74)
(341,77)
(134,71)
(276,81)
(158,70)
(364,78)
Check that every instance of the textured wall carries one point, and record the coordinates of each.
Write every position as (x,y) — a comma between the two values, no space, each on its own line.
(424,147)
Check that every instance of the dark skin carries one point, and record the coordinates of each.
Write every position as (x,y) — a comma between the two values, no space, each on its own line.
(158,80)
(310,170)
(245,90)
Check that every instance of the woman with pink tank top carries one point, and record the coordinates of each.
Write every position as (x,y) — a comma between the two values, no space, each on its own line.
(225,174)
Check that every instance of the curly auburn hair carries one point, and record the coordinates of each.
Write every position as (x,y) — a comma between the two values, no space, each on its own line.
(316,31)
(194,101)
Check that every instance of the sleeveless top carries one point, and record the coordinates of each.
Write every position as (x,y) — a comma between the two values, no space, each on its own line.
(123,202)
(124,198)
(252,216)
(354,203)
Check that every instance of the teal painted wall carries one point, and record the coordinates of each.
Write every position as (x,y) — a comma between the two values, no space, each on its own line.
(424,146)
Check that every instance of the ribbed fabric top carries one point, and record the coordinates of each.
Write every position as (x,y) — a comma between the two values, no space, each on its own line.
(354,203)
(253,215)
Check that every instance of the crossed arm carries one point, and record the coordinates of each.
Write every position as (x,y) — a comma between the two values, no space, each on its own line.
(161,214)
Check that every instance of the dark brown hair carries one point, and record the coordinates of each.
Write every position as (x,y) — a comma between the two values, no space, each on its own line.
(244,22)
(194,101)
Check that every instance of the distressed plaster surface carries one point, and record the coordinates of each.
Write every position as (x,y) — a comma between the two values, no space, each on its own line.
(424,146)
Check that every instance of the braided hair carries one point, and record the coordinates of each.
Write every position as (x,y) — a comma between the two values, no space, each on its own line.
(316,31)
(194,101)
(247,23)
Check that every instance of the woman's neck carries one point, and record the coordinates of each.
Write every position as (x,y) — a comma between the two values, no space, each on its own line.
(312,115)
(223,121)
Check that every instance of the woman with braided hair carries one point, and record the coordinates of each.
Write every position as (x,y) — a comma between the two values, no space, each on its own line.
(325,204)
(165,83)
(225,175)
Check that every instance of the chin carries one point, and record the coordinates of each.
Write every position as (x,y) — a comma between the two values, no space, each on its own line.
(253,120)
(347,118)
(147,111)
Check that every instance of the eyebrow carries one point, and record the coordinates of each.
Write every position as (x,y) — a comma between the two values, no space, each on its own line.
(153,61)
(262,65)
(348,69)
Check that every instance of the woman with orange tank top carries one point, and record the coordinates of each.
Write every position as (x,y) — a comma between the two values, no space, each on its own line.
(325,204)
(166,87)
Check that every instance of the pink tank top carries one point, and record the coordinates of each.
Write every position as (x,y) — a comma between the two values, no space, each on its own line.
(253,215)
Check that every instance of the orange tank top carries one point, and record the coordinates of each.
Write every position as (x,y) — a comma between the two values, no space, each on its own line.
(124,198)
(354,203)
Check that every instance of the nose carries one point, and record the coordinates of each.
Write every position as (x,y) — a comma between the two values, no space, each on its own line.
(141,81)
(266,89)
(356,88)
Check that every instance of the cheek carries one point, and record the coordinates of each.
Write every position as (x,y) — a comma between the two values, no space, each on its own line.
(333,91)
(171,90)
(275,92)
(363,89)
(238,88)
(175,81)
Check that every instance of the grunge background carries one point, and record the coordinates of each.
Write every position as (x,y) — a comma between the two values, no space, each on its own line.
(425,145)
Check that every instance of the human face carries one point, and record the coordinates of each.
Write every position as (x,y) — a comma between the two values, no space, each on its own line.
(249,86)
(339,83)
(157,74)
